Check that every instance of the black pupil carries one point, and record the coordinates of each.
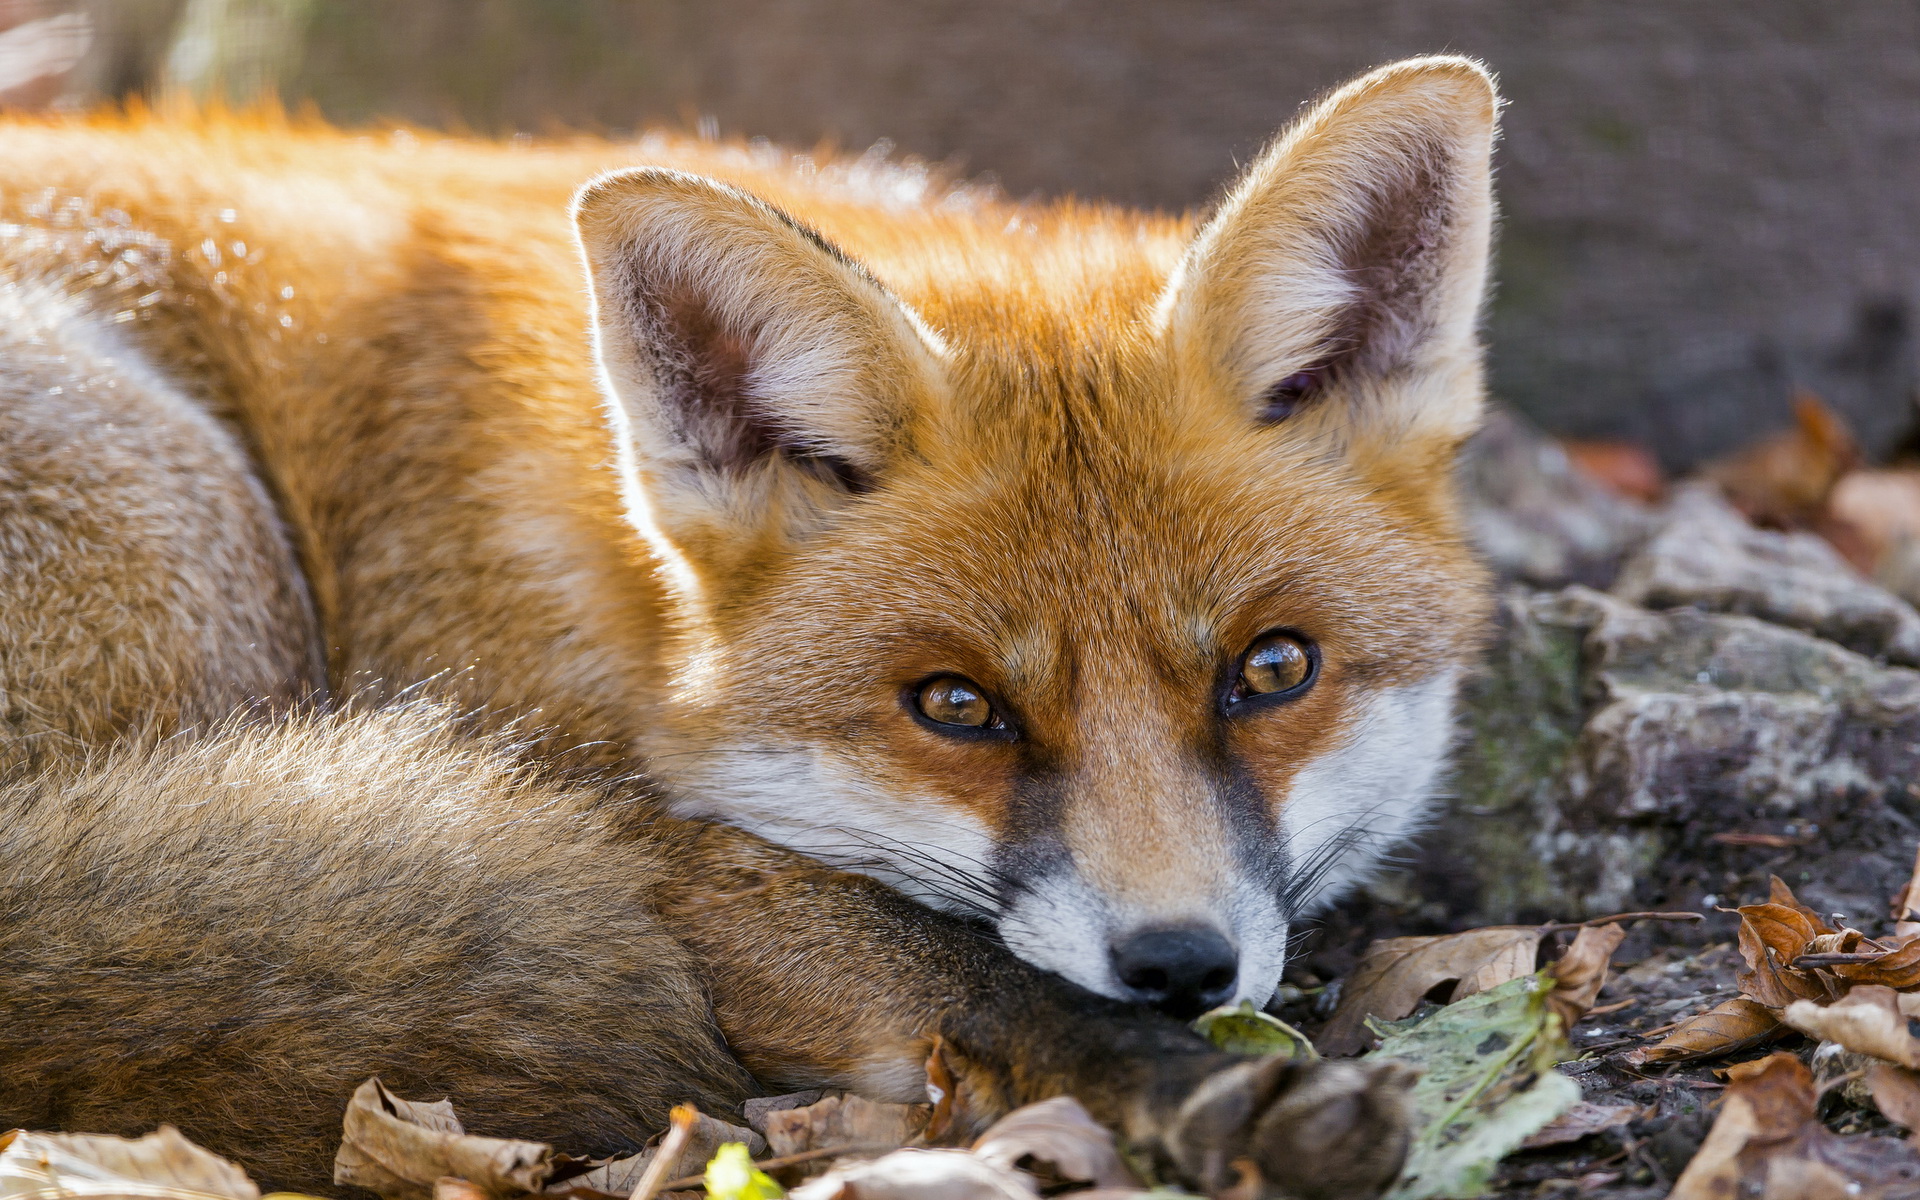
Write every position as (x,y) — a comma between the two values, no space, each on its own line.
(1285,398)
(1275,666)
(952,702)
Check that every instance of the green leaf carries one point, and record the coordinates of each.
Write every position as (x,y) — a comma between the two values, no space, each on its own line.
(1247,1030)
(1489,1084)
(731,1175)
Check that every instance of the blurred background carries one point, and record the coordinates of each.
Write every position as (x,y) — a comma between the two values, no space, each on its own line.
(1708,206)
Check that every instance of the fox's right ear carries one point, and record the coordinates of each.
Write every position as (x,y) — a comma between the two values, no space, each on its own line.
(1339,285)
(759,378)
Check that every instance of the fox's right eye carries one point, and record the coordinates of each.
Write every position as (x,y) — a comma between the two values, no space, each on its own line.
(952,700)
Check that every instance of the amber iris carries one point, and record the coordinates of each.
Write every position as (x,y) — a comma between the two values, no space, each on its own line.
(1278,662)
(951,700)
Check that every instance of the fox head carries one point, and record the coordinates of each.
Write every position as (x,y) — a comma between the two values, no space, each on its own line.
(1131,630)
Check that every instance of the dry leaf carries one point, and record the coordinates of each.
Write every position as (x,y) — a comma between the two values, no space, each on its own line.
(1582,1120)
(162,1165)
(1866,1020)
(1396,974)
(1896,967)
(1784,480)
(1772,936)
(758,1110)
(1768,1144)
(920,1175)
(1896,1093)
(1727,1027)
(1059,1134)
(703,1137)
(449,1188)
(845,1121)
(1581,972)
(399,1148)
(1626,468)
(1906,905)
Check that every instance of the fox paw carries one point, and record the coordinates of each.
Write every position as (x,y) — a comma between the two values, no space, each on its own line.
(1301,1130)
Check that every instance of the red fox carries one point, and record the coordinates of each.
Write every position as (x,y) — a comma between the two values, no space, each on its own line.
(1090,578)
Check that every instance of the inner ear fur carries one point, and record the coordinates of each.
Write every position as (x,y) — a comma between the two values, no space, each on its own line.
(759,376)
(1353,253)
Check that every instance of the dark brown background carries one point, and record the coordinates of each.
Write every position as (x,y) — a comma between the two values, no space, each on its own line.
(1708,202)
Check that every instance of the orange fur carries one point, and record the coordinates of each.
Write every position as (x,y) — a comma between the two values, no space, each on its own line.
(866,428)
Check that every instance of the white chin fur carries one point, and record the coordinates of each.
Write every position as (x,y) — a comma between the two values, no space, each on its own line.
(1353,803)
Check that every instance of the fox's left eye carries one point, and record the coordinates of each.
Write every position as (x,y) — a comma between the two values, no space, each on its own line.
(1277,664)
(953,700)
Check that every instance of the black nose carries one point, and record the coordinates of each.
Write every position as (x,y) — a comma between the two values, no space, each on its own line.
(1181,972)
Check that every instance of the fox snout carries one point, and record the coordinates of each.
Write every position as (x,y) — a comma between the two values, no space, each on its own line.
(1181,970)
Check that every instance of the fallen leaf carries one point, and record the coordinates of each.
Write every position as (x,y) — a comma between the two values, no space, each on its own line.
(1395,974)
(1726,1028)
(845,1121)
(1582,1120)
(1771,936)
(1626,468)
(449,1188)
(399,1148)
(163,1164)
(1906,905)
(1866,1020)
(1487,1085)
(1783,480)
(757,1110)
(1767,1143)
(1244,1029)
(732,1176)
(1896,967)
(1896,1093)
(916,1174)
(1058,1134)
(1581,972)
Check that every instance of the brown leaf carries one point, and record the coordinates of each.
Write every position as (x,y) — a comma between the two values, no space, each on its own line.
(1059,1134)
(1896,1093)
(1771,936)
(1779,893)
(1866,1020)
(1626,468)
(690,1141)
(1767,1143)
(1582,971)
(1898,968)
(845,1121)
(1582,1120)
(1783,480)
(163,1164)
(448,1188)
(1906,905)
(1729,1026)
(917,1174)
(399,1148)
(1396,973)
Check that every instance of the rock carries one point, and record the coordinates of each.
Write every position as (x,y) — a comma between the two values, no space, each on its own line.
(1703,553)
(1610,750)
(1535,516)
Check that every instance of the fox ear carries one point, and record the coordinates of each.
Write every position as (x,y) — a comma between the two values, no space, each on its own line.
(1339,284)
(759,377)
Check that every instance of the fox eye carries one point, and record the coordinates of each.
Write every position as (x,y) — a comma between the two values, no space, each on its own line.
(1277,664)
(1290,395)
(952,700)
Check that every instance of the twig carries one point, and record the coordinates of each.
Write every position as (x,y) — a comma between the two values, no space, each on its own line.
(668,1155)
(1620,918)
(784,1160)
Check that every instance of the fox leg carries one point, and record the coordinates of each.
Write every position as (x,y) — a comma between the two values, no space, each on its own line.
(145,583)
(820,977)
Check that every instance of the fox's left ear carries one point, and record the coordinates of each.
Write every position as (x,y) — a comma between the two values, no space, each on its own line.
(1339,285)
(760,379)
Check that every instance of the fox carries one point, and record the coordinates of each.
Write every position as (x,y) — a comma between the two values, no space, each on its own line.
(578,626)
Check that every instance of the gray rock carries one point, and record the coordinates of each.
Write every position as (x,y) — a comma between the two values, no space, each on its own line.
(1704,553)
(1609,751)
(1537,518)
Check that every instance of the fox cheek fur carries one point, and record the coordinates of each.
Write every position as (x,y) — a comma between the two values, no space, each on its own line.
(1087,509)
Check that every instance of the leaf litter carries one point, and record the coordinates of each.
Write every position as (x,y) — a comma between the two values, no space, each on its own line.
(1522,1068)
